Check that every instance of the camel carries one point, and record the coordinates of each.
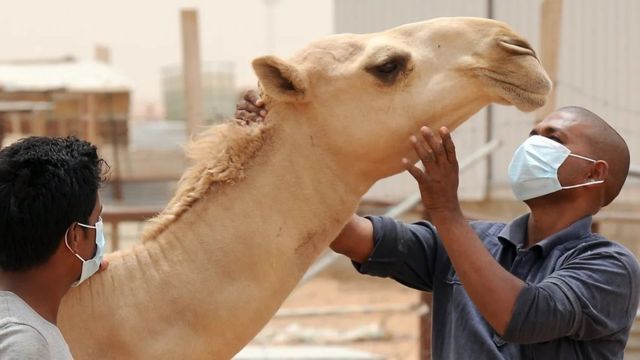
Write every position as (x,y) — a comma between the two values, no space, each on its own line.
(261,202)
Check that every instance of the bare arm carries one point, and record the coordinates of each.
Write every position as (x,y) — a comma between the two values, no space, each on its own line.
(355,240)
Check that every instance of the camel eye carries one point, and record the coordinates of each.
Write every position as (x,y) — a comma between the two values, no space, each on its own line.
(388,67)
(388,70)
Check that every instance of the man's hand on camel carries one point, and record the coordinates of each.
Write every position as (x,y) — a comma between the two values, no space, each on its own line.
(439,181)
(250,109)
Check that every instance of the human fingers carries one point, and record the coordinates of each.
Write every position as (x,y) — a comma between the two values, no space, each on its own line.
(434,144)
(449,146)
(247,106)
(248,117)
(104,264)
(253,97)
(421,148)
(413,170)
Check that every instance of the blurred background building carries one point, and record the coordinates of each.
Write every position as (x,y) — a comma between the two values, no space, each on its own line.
(219,92)
(60,97)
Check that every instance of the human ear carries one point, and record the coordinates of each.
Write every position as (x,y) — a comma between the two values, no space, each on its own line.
(280,79)
(599,171)
(73,236)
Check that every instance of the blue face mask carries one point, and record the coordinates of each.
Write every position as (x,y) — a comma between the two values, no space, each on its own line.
(533,171)
(91,266)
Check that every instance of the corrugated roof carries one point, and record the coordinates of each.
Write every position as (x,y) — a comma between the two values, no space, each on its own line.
(83,76)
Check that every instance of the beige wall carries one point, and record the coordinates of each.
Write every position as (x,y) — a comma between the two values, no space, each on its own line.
(598,69)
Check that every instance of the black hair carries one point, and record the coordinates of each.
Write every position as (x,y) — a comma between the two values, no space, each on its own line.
(46,184)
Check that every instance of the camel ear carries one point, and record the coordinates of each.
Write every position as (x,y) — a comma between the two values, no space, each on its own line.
(280,80)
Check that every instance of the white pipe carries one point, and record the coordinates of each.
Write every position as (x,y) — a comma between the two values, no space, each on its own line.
(353,309)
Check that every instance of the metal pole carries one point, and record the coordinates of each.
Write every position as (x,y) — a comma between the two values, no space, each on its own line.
(349,310)
(488,135)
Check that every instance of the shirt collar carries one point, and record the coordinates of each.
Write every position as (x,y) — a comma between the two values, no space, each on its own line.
(515,233)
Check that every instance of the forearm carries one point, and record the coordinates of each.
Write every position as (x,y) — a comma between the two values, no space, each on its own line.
(491,288)
(355,240)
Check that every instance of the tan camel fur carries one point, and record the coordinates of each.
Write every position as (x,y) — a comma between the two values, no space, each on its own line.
(261,202)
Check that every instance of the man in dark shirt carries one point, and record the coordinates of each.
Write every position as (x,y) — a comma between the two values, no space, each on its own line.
(541,287)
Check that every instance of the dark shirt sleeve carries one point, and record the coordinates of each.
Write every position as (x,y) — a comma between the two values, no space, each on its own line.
(405,252)
(591,296)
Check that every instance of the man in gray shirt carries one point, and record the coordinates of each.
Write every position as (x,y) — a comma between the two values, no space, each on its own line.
(541,287)
(50,239)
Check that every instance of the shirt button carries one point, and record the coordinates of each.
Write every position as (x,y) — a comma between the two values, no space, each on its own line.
(498,340)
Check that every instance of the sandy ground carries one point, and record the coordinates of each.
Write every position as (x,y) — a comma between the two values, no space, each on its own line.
(392,334)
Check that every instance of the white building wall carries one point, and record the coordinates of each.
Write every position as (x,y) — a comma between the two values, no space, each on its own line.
(598,69)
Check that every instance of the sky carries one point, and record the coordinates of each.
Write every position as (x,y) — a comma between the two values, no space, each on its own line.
(144,35)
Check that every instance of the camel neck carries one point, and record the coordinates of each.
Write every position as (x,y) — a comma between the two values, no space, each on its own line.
(293,182)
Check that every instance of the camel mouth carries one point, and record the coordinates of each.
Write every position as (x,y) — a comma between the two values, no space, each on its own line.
(517,46)
(524,98)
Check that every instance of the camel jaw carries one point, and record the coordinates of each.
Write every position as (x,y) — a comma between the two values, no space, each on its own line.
(524,98)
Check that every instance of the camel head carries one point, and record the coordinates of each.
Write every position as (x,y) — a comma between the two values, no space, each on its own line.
(361,95)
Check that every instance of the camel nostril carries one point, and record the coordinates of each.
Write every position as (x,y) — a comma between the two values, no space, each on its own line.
(516,46)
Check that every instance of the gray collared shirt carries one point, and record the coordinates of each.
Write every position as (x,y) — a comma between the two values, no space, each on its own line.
(579,302)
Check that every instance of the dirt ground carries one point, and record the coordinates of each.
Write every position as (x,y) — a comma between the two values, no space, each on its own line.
(395,335)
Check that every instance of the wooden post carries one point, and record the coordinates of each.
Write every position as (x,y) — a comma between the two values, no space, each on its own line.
(115,236)
(116,180)
(2,128)
(38,124)
(91,118)
(16,124)
(191,71)
(102,54)
(426,298)
(425,326)
(550,29)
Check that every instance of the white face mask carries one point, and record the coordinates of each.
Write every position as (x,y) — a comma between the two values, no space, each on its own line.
(533,171)
(91,266)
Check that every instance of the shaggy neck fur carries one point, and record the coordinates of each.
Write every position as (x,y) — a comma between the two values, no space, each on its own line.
(220,157)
